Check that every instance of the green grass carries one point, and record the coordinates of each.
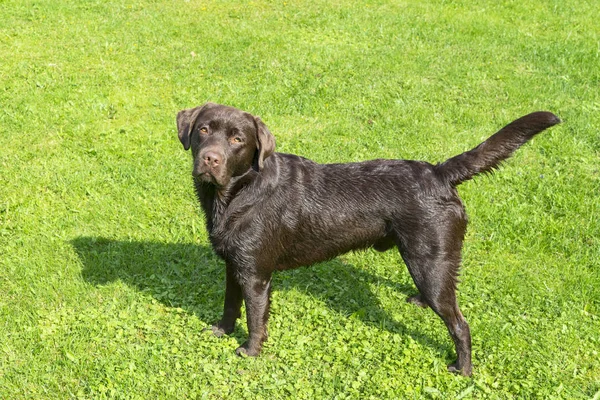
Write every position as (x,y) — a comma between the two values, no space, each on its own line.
(106,275)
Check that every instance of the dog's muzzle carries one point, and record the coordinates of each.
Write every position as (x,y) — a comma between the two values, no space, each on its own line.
(210,167)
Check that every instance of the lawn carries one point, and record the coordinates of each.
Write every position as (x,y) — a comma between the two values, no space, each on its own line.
(107,279)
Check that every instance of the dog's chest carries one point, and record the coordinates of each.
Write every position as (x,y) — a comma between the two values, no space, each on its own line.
(231,235)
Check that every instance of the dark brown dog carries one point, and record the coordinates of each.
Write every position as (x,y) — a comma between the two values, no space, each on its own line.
(268,211)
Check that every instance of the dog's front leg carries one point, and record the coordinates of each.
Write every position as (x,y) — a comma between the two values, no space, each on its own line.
(257,296)
(233,304)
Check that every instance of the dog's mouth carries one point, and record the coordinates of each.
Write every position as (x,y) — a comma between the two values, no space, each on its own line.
(211,176)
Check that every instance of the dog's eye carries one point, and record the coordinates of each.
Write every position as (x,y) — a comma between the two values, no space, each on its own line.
(204,130)
(237,139)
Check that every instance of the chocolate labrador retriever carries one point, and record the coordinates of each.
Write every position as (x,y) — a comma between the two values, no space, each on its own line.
(268,211)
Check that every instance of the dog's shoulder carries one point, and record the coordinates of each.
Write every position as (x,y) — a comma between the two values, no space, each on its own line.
(284,167)
(286,160)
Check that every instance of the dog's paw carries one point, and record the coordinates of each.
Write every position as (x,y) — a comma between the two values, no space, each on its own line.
(464,371)
(218,331)
(417,300)
(243,351)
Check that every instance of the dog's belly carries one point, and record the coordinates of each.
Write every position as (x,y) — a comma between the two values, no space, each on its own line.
(321,238)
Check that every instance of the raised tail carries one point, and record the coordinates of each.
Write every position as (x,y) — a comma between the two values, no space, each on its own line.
(488,155)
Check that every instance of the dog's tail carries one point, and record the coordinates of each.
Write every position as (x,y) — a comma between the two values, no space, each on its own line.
(489,155)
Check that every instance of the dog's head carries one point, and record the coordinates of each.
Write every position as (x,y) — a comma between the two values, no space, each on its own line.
(226,142)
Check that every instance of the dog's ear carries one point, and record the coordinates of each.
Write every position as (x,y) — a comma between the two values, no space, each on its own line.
(185,123)
(265,143)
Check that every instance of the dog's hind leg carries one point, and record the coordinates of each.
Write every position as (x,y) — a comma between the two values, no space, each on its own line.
(433,260)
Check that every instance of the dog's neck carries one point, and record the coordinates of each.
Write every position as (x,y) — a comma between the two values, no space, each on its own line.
(215,199)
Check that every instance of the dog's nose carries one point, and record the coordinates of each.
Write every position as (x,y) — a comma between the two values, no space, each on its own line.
(212,159)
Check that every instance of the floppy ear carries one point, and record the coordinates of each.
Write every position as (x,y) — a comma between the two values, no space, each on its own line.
(185,123)
(265,143)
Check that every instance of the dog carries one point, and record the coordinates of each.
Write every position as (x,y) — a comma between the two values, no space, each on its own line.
(268,211)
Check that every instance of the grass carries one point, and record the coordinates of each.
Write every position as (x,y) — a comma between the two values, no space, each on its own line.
(106,275)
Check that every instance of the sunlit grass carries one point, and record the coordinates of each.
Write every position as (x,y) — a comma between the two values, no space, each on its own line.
(106,275)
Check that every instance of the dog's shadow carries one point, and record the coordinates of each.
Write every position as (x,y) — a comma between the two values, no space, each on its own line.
(192,277)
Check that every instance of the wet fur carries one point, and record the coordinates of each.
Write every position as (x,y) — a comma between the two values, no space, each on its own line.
(268,211)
